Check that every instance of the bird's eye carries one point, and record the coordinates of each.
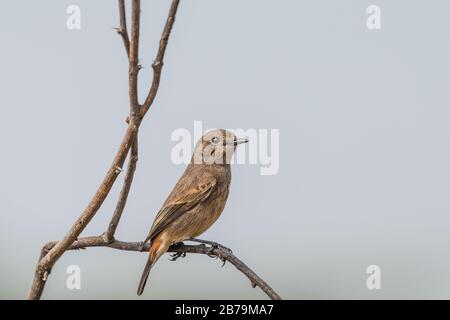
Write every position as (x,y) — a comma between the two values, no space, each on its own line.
(215,140)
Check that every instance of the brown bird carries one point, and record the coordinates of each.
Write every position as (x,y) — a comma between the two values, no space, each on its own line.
(198,198)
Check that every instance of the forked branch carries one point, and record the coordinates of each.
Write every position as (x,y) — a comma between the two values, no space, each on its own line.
(52,251)
(48,259)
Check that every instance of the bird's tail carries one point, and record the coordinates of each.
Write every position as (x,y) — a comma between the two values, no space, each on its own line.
(145,274)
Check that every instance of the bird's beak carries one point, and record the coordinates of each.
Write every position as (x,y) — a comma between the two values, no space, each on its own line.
(240,140)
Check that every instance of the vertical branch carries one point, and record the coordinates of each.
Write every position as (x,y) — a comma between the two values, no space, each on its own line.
(109,234)
(50,255)
(159,61)
(134,56)
(122,29)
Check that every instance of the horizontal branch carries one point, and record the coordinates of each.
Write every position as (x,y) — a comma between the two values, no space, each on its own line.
(216,250)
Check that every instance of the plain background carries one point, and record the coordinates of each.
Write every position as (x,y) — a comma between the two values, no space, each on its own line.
(364,144)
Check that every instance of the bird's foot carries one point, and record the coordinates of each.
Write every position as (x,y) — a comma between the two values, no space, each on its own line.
(176,255)
(214,245)
(210,252)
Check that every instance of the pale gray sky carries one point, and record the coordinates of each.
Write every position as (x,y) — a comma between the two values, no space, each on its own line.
(364,144)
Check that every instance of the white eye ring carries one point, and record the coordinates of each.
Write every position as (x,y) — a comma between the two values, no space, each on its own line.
(215,140)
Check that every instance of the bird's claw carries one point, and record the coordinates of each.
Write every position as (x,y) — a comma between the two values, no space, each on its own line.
(213,245)
(220,247)
(228,250)
(210,253)
(141,246)
(176,255)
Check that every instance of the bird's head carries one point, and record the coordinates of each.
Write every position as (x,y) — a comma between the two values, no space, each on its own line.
(216,147)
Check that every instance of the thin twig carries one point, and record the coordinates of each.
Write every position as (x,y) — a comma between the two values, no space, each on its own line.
(133,69)
(216,249)
(159,61)
(134,57)
(109,234)
(122,29)
(48,259)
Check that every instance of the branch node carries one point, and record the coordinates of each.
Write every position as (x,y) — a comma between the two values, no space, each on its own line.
(157,65)
(118,170)
(120,30)
(44,272)
(107,237)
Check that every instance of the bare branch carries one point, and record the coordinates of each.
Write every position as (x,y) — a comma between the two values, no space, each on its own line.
(159,61)
(109,234)
(52,251)
(134,56)
(47,262)
(216,250)
(49,257)
(122,29)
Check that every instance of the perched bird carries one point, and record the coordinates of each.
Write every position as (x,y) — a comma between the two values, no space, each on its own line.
(198,198)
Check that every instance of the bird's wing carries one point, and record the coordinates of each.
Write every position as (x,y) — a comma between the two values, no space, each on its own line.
(181,202)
